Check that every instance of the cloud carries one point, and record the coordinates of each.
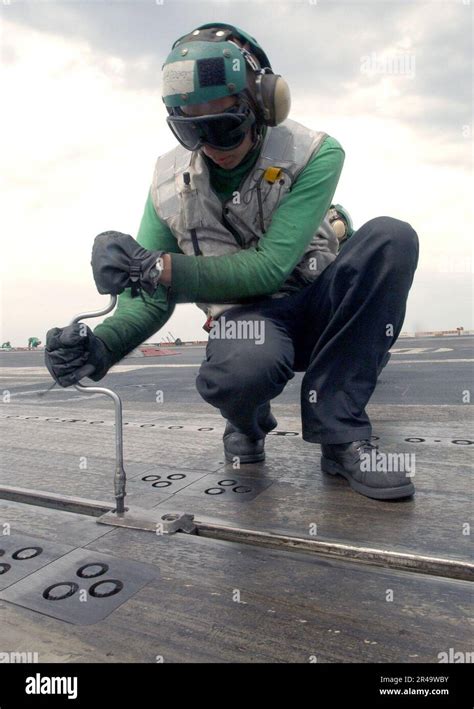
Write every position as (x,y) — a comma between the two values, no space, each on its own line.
(84,123)
(318,47)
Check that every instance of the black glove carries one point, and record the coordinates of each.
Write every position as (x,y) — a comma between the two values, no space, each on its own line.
(119,262)
(74,352)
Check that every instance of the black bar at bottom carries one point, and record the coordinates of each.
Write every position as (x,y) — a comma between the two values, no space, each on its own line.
(325,685)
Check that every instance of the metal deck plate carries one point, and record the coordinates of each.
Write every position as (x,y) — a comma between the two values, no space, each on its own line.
(82,587)
(22,555)
(226,487)
(149,488)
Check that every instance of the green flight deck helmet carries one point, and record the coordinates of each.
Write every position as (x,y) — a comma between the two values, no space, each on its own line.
(341,222)
(209,63)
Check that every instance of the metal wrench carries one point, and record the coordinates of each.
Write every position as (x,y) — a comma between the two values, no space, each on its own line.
(119,477)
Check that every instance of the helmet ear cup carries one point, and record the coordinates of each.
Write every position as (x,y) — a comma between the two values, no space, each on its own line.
(281,100)
(273,98)
(339,228)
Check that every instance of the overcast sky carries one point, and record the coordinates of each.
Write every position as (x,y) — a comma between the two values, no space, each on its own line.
(83,123)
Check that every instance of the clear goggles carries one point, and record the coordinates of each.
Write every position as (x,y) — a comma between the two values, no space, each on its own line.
(223,131)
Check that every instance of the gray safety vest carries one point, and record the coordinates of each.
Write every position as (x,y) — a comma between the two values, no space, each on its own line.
(203,225)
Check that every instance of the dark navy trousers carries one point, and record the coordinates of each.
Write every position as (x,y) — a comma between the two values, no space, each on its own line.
(337,330)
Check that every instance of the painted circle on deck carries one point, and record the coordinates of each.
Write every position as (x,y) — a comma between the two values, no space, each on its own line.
(227,483)
(4,568)
(91,571)
(176,476)
(214,491)
(162,483)
(149,478)
(241,488)
(26,553)
(60,591)
(106,588)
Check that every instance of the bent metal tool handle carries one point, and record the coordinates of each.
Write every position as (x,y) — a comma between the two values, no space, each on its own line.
(120,477)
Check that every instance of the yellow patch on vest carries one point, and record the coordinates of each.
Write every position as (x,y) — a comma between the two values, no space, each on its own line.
(272,174)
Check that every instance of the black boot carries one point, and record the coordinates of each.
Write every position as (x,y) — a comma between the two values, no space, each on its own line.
(247,449)
(362,464)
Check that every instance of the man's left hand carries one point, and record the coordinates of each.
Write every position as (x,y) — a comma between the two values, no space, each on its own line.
(119,262)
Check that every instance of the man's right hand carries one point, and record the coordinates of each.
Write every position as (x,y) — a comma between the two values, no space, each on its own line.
(74,352)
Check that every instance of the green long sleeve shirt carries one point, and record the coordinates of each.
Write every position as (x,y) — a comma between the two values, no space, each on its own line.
(253,272)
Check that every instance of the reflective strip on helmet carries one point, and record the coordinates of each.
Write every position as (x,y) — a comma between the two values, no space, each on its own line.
(178,77)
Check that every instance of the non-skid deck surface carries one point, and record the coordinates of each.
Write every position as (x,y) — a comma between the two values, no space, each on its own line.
(221,601)
(288,493)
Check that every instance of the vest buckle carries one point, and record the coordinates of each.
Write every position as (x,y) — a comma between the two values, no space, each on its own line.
(208,324)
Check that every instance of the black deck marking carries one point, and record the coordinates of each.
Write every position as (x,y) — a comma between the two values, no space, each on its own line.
(92,571)
(238,488)
(106,588)
(199,429)
(58,590)
(23,555)
(241,489)
(214,491)
(27,553)
(151,488)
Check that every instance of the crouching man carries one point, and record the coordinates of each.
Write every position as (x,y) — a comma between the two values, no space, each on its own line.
(239,219)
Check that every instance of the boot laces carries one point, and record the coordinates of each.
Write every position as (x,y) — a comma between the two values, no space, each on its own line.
(366,446)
